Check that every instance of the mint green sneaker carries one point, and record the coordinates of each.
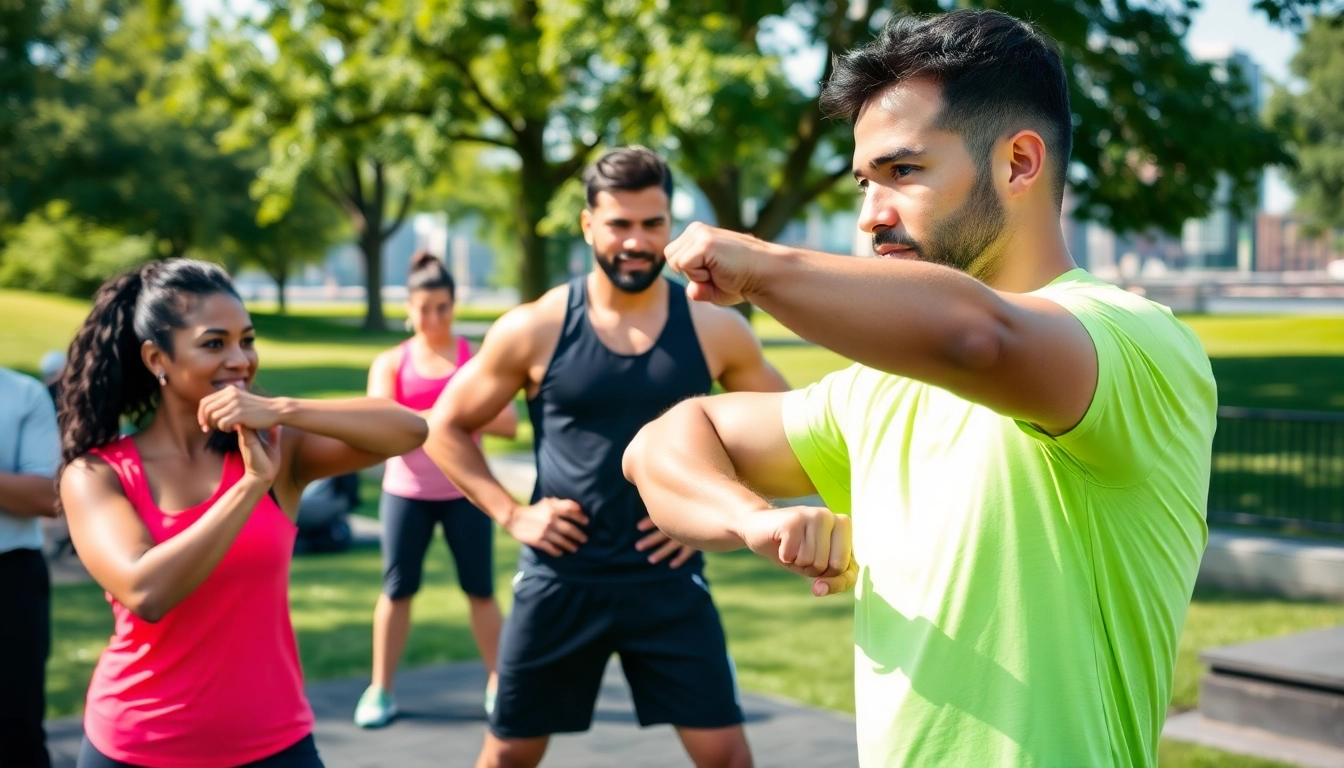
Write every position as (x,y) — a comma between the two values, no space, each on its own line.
(376,708)
(489,700)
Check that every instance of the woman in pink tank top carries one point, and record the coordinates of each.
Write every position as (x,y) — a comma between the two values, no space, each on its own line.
(189,523)
(417,497)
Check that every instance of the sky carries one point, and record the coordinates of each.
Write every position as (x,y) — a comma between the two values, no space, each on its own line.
(1216,22)
(1234,21)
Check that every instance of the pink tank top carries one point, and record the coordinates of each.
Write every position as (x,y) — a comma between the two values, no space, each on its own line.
(414,475)
(217,680)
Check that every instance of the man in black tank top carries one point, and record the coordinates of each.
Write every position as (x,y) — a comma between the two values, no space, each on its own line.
(598,359)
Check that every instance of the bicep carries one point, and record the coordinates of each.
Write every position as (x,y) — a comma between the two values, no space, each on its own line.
(1043,370)
(481,389)
(750,426)
(754,375)
(39,439)
(104,527)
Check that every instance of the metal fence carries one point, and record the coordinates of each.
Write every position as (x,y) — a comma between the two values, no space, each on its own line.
(1279,469)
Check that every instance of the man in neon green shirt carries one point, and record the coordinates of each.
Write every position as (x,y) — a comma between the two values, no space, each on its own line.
(1022,449)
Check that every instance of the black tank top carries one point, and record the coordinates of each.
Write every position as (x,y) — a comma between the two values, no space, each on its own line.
(590,404)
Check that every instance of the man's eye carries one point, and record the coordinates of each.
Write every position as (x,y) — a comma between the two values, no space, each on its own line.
(901,171)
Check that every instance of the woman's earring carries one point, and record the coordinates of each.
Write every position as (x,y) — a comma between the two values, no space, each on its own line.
(163,379)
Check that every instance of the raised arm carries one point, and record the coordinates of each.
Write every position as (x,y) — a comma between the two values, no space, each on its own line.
(1022,356)
(323,438)
(705,470)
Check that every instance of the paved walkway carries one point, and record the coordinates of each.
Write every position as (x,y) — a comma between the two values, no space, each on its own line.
(442,726)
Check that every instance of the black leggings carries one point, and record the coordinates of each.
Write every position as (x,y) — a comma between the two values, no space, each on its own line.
(25,640)
(408,527)
(301,755)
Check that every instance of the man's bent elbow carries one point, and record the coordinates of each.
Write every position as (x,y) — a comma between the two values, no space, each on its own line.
(633,455)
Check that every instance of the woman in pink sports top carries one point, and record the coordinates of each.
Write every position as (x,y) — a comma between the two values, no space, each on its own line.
(417,497)
(189,523)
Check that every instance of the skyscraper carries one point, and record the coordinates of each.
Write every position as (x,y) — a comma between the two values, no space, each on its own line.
(1223,240)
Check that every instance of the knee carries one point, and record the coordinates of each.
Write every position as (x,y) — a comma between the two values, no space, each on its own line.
(728,753)
(511,753)
(400,590)
(736,756)
(480,602)
(398,598)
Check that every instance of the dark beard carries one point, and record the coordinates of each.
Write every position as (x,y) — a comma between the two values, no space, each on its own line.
(962,237)
(637,282)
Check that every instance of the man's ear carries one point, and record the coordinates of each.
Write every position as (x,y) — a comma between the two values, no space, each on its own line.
(1026,158)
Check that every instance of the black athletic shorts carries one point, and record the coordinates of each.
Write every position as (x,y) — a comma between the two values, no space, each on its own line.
(560,634)
(408,527)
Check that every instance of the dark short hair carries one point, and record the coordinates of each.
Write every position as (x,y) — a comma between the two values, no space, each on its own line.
(628,169)
(428,273)
(998,75)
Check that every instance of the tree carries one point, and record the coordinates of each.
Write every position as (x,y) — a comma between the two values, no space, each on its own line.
(1314,122)
(300,236)
(1143,154)
(96,137)
(330,100)
(54,249)
(530,82)
(1294,13)
(21,32)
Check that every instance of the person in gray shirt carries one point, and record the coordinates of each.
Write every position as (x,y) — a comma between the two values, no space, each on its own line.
(30,449)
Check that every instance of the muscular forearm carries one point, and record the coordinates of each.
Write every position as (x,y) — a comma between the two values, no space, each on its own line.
(369,424)
(905,317)
(461,459)
(165,574)
(27,495)
(688,482)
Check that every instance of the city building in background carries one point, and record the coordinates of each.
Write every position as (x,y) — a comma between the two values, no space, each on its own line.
(1284,245)
(1224,240)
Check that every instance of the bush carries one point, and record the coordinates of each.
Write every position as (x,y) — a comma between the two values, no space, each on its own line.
(57,251)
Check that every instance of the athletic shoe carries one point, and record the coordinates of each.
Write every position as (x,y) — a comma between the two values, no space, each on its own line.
(489,700)
(376,708)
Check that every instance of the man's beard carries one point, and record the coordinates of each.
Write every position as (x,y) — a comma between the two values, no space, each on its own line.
(961,238)
(631,282)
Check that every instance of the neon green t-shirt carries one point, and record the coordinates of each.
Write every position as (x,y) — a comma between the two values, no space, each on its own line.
(1020,596)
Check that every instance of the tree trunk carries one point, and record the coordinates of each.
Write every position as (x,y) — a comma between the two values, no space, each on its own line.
(371,244)
(533,196)
(724,192)
(280,291)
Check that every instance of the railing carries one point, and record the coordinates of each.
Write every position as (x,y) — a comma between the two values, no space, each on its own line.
(1276,468)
